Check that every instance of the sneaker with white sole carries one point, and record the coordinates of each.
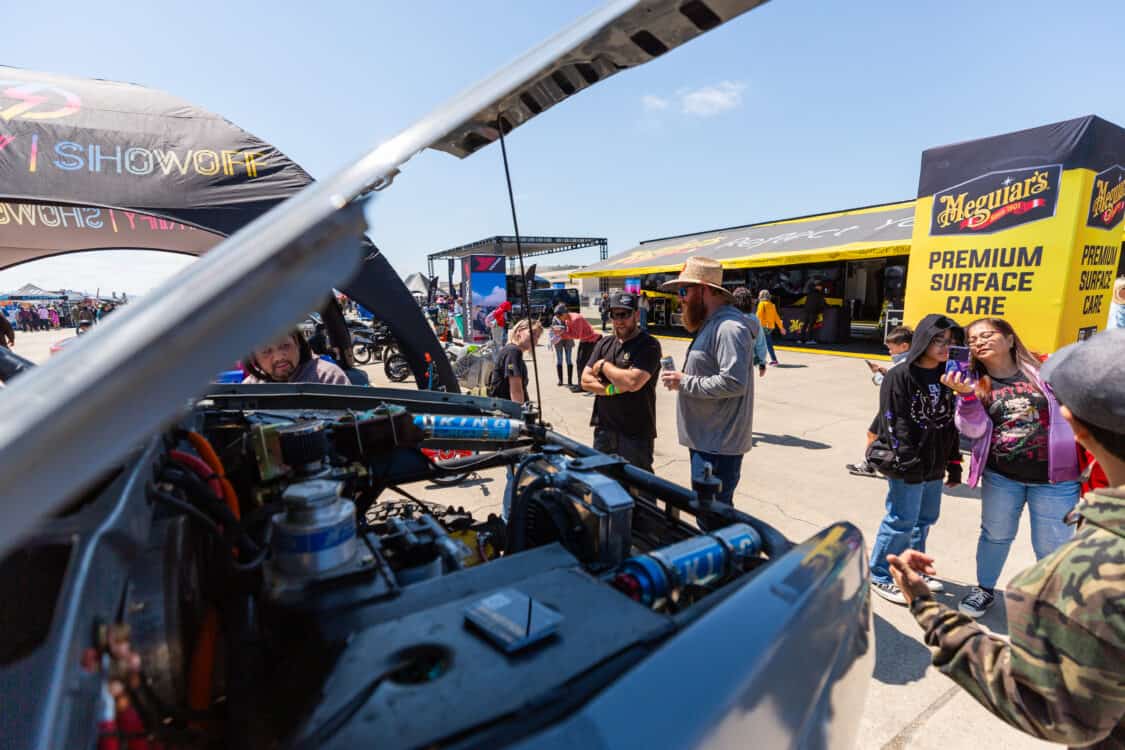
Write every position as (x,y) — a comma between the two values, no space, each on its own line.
(889,591)
(976,602)
(933,584)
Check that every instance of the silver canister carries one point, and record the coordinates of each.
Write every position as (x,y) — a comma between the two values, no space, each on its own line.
(317,531)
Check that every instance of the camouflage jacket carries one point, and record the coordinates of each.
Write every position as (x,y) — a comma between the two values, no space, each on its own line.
(1062,677)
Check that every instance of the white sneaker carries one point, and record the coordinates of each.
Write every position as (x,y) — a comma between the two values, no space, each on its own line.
(889,591)
(933,584)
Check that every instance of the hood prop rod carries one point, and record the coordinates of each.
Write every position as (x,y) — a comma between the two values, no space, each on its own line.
(523,274)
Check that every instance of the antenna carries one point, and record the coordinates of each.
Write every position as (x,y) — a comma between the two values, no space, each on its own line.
(500,123)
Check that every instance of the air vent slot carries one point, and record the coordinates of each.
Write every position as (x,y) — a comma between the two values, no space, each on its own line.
(563,82)
(588,72)
(703,17)
(529,102)
(30,581)
(649,43)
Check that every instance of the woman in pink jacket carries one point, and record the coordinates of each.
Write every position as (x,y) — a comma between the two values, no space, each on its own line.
(1023,452)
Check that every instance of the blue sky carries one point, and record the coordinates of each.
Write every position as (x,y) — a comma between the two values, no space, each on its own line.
(794,108)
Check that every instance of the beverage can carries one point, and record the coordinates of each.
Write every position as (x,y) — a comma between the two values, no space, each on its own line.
(667,363)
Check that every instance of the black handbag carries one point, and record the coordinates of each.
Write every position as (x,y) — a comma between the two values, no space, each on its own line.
(880,455)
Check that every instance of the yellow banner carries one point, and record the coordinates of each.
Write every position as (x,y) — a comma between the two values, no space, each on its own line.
(1017,244)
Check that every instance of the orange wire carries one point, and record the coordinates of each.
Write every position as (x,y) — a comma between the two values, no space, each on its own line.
(202,670)
(207,453)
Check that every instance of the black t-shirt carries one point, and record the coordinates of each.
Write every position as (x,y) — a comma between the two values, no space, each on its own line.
(1020,417)
(509,363)
(633,413)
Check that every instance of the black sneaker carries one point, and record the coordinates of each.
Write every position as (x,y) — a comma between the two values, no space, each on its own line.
(889,591)
(862,469)
(977,602)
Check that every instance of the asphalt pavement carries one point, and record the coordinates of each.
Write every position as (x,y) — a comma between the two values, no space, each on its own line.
(810,417)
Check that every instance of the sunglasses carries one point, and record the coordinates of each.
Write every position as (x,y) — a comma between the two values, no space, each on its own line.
(685,289)
(621,314)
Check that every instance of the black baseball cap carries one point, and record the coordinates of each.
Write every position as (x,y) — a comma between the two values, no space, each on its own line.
(623,301)
(1087,378)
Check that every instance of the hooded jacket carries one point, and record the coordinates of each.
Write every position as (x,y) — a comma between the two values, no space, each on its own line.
(918,428)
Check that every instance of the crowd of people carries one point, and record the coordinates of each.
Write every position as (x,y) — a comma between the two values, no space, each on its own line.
(29,317)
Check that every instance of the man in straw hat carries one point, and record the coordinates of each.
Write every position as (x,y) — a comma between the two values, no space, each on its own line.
(716,387)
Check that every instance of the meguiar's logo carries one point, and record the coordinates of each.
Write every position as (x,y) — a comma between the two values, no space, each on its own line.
(1107,199)
(997,201)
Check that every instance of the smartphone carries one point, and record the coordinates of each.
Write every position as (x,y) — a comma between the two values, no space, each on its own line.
(958,361)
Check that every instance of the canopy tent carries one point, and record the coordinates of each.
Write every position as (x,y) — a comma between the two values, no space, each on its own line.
(532,246)
(872,232)
(92,164)
(417,284)
(29,292)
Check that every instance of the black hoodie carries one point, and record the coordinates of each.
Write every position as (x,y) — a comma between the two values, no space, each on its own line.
(916,412)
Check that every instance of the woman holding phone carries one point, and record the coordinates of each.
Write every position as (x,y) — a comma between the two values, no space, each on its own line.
(1023,451)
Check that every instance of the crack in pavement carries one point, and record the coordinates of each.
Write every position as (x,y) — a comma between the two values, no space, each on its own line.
(902,740)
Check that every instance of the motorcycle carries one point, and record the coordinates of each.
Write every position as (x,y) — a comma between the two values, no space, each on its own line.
(373,344)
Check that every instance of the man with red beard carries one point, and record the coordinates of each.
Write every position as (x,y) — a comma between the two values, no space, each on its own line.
(716,388)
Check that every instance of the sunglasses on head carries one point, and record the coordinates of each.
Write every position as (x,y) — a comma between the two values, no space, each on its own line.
(620,314)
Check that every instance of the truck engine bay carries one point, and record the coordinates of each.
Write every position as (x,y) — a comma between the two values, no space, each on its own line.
(287,584)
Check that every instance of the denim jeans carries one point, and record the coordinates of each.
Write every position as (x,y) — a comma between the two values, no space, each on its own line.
(727,469)
(911,510)
(559,349)
(769,344)
(644,319)
(1002,502)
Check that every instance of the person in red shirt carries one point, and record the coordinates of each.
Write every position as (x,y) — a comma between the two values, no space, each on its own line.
(578,329)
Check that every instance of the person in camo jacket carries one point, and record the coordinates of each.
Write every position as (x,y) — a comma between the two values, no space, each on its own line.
(1062,675)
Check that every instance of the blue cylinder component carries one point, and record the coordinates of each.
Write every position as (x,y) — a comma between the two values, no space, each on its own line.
(653,577)
(468,428)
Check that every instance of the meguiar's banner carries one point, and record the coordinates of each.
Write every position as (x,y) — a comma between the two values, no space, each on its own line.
(1025,226)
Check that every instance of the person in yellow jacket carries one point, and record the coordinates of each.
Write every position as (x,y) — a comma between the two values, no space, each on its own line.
(767,314)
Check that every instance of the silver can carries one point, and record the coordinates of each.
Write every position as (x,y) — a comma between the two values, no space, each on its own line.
(667,363)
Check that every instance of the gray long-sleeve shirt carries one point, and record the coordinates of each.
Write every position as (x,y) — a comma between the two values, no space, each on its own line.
(714,411)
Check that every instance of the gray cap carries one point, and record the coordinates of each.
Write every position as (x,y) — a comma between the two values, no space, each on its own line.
(1089,379)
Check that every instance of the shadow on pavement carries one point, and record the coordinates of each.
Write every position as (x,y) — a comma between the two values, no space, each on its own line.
(789,441)
(900,658)
(782,366)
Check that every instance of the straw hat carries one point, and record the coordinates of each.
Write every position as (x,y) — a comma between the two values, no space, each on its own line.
(699,270)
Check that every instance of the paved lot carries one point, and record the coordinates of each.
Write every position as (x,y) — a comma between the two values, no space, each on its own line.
(810,418)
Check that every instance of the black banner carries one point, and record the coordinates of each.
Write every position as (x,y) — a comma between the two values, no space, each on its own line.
(1107,199)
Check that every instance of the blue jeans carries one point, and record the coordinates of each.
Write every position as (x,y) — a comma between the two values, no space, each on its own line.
(559,349)
(727,469)
(644,319)
(769,344)
(911,510)
(1002,502)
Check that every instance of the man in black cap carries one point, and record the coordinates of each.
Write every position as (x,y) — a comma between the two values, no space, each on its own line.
(1060,676)
(623,377)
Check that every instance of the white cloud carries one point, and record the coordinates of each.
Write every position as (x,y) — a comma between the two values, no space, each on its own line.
(654,103)
(712,100)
